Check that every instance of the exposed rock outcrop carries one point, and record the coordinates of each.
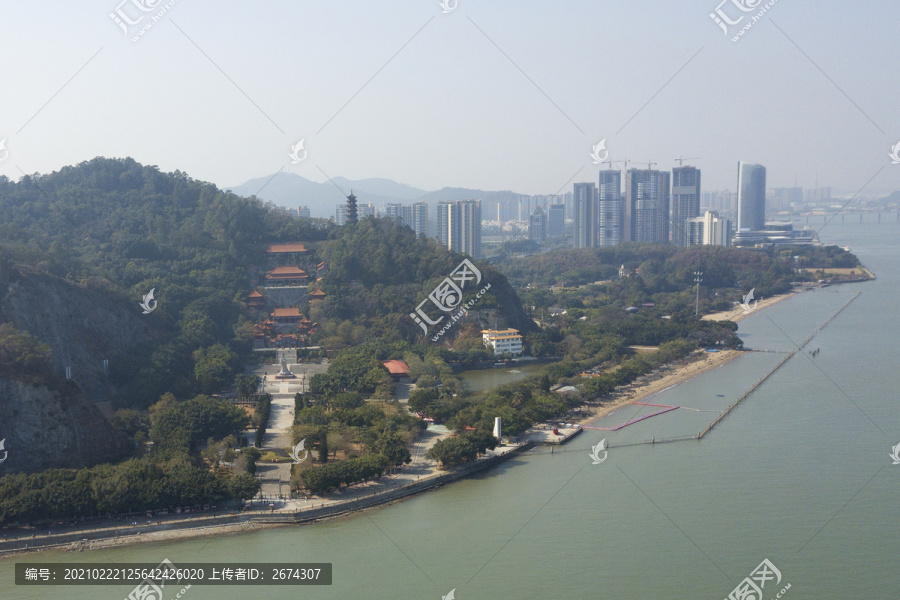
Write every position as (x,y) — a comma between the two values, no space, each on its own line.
(57,424)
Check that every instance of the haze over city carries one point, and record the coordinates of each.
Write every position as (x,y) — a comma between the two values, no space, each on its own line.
(506,95)
(391,298)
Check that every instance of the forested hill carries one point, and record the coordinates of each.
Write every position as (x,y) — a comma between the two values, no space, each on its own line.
(119,229)
(379,272)
(128,223)
(80,247)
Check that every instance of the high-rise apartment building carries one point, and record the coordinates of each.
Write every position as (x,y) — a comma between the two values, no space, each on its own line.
(611,213)
(647,206)
(685,202)
(340,214)
(507,210)
(525,208)
(556,220)
(303,212)
(459,226)
(585,195)
(537,225)
(416,217)
(751,200)
(708,230)
(722,201)
(570,205)
(394,211)
(367,210)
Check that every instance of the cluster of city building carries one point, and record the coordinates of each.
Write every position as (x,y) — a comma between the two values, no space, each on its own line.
(457,224)
(663,207)
(631,205)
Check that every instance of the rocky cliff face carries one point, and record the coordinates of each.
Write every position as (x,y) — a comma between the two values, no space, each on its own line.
(62,427)
(83,326)
(46,429)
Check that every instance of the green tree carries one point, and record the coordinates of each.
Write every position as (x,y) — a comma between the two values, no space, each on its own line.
(214,367)
(323,446)
(242,487)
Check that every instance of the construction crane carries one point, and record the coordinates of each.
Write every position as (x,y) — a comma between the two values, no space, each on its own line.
(682,159)
(649,164)
(616,162)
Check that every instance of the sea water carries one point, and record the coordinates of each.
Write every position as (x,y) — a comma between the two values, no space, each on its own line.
(799,474)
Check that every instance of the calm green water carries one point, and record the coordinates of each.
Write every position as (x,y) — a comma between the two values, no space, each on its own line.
(797,474)
(484,379)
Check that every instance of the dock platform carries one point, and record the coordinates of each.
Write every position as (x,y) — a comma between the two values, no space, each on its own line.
(543,434)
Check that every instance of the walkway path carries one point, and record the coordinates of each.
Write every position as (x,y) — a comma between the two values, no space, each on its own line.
(413,479)
(276,477)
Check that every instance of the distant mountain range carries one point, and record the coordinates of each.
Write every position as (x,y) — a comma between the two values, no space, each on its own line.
(291,190)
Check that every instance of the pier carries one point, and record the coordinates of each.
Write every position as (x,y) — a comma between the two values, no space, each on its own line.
(776,367)
(745,394)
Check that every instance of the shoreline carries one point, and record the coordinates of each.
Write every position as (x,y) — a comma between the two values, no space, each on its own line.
(695,364)
(266,519)
(687,368)
(737,314)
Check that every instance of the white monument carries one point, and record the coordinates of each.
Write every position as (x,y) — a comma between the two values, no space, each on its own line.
(497,427)
(285,373)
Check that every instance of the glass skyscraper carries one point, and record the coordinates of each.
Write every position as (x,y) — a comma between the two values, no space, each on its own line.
(585,215)
(751,200)
(611,213)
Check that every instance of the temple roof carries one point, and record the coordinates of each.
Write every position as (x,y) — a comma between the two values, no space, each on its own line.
(396,367)
(286,248)
(286,273)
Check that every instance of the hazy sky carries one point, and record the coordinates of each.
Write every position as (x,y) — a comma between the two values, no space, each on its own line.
(492,95)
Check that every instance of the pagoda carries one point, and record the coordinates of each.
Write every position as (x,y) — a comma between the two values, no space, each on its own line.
(352,214)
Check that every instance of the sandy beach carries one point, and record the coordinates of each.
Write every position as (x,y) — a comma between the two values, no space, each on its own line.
(697,363)
(738,313)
